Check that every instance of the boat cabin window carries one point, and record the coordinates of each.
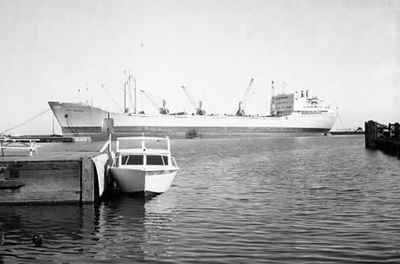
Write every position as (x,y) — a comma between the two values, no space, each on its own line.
(132,160)
(157,160)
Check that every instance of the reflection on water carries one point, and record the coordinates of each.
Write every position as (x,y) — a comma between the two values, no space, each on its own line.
(130,228)
(296,200)
(116,229)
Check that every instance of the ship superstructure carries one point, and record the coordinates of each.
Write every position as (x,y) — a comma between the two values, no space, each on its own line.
(298,102)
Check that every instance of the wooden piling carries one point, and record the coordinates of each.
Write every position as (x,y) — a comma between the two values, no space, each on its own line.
(370,134)
(87,180)
(383,137)
(397,131)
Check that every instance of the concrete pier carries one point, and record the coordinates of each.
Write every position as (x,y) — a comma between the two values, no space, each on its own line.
(383,137)
(55,173)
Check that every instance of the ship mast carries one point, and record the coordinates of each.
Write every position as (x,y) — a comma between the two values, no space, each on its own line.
(127,85)
(135,95)
(52,124)
(272,108)
(125,97)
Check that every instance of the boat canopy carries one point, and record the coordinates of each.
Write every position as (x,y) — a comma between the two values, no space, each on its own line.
(148,145)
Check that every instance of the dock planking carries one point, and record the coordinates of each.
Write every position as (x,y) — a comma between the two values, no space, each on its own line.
(55,173)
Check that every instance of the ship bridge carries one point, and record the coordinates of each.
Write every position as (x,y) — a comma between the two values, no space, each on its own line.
(299,101)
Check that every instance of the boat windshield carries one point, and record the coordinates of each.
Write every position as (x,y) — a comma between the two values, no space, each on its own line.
(157,160)
(132,160)
(139,160)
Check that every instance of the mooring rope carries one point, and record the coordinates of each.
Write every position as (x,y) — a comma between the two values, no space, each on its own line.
(69,125)
(25,122)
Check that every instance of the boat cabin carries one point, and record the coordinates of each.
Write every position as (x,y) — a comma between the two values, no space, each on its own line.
(144,151)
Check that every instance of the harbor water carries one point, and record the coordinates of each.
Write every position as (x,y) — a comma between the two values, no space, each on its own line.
(319,199)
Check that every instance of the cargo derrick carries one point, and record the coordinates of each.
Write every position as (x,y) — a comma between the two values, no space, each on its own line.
(245,97)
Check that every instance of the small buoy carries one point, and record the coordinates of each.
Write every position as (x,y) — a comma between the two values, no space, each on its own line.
(37,240)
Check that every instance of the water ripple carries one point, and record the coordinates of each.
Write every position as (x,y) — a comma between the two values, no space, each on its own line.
(275,200)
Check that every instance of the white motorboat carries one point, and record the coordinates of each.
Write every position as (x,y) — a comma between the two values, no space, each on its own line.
(146,167)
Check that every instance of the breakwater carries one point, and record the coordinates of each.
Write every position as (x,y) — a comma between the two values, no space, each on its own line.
(383,137)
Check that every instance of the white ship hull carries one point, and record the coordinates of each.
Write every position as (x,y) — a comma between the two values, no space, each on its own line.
(84,120)
(132,180)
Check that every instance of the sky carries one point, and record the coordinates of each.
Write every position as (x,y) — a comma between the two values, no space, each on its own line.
(345,52)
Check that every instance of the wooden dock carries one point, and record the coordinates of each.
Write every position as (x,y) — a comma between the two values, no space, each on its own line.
(383,137)
(55,173)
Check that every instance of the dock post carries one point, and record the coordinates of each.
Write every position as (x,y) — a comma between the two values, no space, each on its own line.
(87,181)
(397,131)
(391,130)
(370,134)
(30,148)
(108,126)
(397,138)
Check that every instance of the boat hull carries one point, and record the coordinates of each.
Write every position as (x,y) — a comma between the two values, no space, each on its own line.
(131,180)
(84,120)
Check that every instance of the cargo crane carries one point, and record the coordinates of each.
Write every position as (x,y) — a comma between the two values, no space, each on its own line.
(199,109)
(163,109)
(245,97)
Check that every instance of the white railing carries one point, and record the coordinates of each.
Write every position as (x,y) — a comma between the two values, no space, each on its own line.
(18,144)
(142,140)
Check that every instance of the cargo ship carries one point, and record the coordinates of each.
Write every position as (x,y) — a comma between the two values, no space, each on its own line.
(296,112)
